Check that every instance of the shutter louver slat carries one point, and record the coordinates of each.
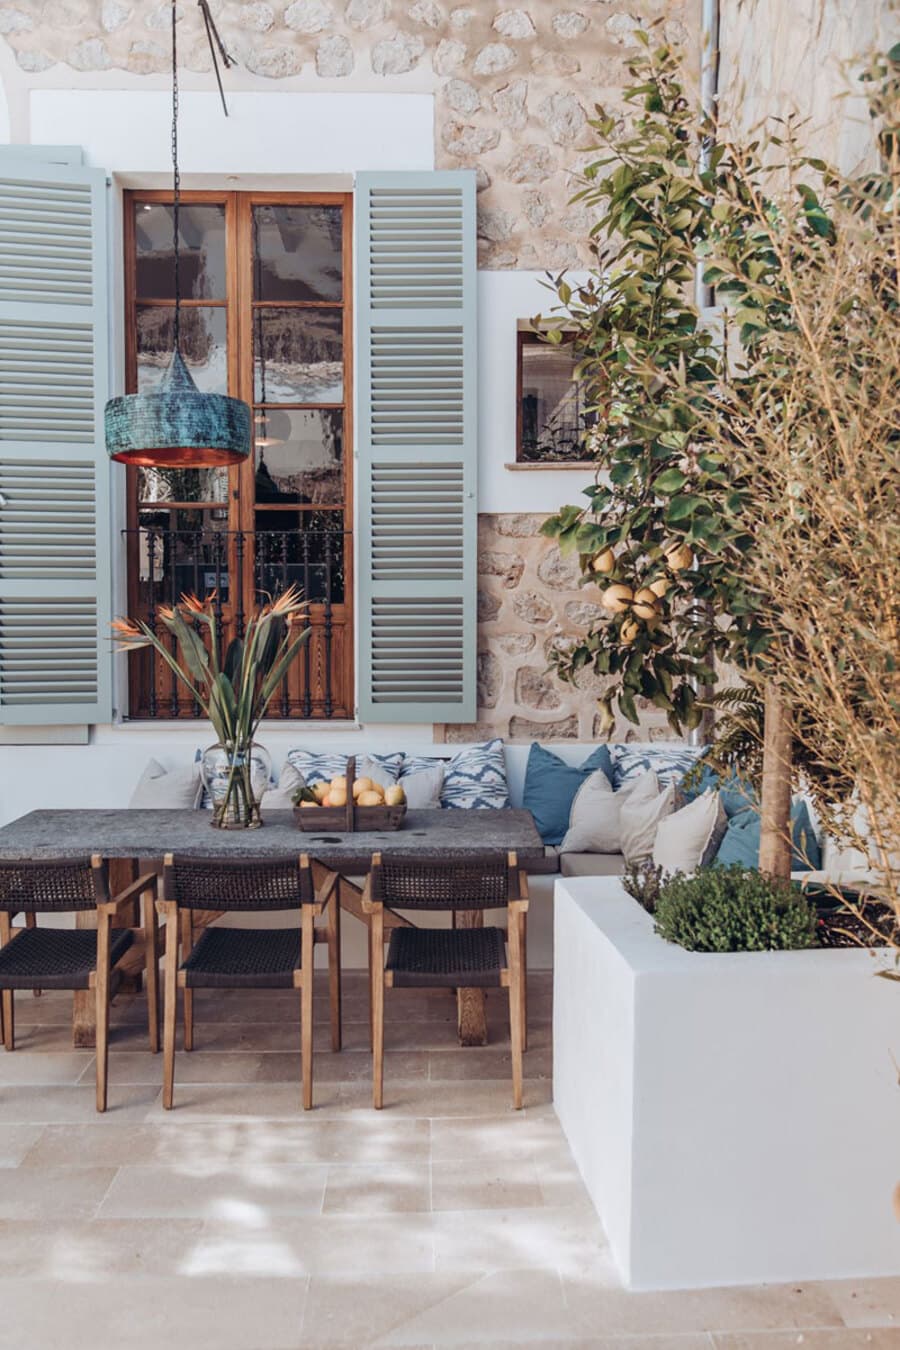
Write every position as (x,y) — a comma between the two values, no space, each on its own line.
(416,308)
(54,503)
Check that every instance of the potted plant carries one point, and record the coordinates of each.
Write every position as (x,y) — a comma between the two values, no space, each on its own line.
(234,693)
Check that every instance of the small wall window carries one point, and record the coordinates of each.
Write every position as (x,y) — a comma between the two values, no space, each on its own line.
(551,420)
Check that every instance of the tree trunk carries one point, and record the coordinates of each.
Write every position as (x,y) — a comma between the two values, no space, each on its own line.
(775,833)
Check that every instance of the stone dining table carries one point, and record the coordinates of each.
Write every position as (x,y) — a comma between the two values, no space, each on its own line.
(124,836)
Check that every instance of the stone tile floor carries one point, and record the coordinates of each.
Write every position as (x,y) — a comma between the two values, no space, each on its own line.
(236,1222)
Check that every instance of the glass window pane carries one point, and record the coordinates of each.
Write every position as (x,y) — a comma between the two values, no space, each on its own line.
(299,459)
(297,252)
(182,485)
(553,418)
(203,346)
(298,356)
(182,552)
(201,251)
(303,548)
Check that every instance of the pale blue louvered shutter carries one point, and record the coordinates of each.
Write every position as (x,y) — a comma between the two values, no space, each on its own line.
(416,445)
(55,545)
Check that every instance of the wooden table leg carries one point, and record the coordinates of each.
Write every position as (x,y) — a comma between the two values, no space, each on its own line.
(471,1014)
(122,872)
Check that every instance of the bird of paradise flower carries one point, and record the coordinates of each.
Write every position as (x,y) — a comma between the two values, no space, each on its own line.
(235,693)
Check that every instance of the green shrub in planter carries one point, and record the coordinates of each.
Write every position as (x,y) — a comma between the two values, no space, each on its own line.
(729,909)
(643,880)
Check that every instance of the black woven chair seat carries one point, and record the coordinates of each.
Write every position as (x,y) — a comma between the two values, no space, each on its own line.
(244,958)
(56,958)
(455,957)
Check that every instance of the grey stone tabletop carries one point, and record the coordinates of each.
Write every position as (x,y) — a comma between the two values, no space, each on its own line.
(428,835)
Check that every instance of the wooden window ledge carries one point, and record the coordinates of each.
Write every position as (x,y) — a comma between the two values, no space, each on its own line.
(565,464)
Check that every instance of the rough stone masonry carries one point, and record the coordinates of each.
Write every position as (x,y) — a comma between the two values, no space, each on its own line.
(514,88)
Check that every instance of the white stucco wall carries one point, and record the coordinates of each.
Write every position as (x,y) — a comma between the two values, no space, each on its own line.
(275,140)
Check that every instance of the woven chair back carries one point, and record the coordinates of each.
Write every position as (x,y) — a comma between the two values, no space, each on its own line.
(37,887)
(486,881)
(210,883)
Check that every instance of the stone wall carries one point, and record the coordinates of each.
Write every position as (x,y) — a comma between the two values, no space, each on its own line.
(513,85)
(804,57)
(529,598)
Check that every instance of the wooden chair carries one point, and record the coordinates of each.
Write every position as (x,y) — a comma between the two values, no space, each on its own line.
(79,958)
(244,958)
(455,958)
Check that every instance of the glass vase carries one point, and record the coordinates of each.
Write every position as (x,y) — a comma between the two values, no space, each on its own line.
(235,777)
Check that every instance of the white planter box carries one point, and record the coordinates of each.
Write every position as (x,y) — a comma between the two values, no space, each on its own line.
(736,1118)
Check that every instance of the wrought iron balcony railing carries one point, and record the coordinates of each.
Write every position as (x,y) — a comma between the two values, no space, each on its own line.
(242,569)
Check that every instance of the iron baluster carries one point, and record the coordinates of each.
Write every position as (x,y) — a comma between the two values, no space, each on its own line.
(307,655)
(150,662)
(219,541)
(239,566)
(173,600)
(329,706)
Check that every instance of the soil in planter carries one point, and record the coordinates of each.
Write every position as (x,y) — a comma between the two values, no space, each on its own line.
(843,926)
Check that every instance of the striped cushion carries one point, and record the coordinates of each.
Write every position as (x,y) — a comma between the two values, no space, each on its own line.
(304,767)
(476,777)
(670,762)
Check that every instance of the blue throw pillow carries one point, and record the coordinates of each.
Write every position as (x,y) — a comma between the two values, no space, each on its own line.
(735,793)
(551,785)
(741,842)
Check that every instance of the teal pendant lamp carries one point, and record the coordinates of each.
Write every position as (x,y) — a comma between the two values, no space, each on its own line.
(175,425)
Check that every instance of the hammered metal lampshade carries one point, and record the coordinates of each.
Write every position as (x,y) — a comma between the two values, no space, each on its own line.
(175,426)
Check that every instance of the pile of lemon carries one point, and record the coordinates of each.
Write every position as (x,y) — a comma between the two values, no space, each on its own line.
(366,792)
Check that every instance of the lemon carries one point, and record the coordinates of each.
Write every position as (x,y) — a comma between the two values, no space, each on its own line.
(660,586)
(646,605)
(362,785)
(679,557)
(617,598)
(628,632)
(604,562)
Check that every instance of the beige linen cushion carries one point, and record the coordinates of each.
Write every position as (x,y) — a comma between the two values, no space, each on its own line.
(641,813)
(594,824)
(159,789)
(690,837)
(423,788)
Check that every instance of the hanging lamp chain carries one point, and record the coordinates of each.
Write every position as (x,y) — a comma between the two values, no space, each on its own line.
(215,41)
(176,177)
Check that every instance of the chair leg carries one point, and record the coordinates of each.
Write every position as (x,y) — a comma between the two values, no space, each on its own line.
(523,935)
(377,980)
(9,1024)
(514,938)
(334,968)
(187,943)
(151,946)
(31,922)
(306,1004)
(372,968)
(6,1000)
(101,989)
(170,1005)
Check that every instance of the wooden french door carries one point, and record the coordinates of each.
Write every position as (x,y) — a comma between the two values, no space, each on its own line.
(267,317)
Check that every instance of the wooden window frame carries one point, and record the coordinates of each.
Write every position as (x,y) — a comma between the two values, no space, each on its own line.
(239,306)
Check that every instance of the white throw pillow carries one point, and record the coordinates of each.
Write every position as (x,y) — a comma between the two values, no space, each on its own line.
(594,825)
(277,799)
(423,788)
(690,838)
(157,789)
(641,813)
